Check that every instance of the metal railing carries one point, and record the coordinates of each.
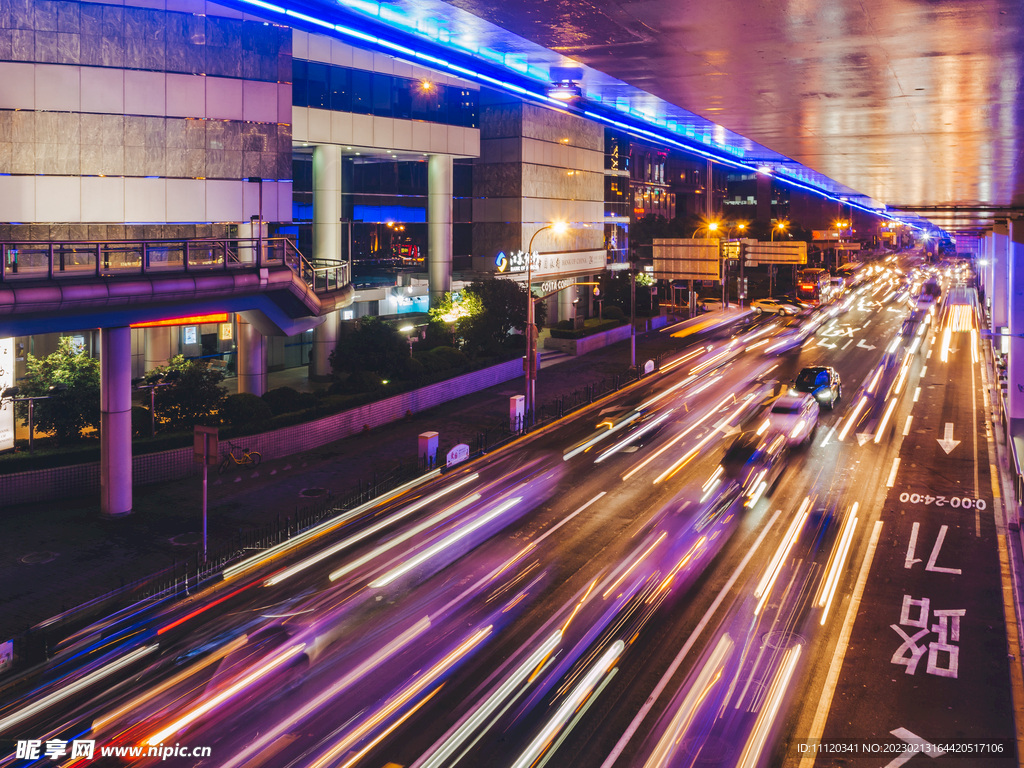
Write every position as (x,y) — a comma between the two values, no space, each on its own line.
(25,260)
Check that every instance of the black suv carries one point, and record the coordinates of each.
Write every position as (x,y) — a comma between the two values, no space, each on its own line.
(822,382)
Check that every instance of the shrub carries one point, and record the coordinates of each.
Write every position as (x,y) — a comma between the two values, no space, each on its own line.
(287,400)
(441,359)
(564,325)
(413,368)
(142,424)
(612,313)
(245,408)
(361,381)
(195,396)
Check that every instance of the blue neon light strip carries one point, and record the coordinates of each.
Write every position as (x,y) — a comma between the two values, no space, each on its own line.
(551,101)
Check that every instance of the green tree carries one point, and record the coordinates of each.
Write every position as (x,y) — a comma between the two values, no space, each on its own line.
(375,346)
(195,397)
(68,411)
(504,310)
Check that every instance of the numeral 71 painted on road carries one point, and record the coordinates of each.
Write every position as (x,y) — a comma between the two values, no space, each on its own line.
(930,566)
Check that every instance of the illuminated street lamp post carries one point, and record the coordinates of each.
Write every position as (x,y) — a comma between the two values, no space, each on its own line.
(531,327)
(12,394)
(781,226)
(691,310)
(741,288)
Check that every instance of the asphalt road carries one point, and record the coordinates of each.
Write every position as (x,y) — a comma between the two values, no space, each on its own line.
(597,594)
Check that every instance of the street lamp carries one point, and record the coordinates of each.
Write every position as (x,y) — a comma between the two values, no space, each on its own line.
(781,227)
(711,226)
(11,393)
(531,328)
(151,383)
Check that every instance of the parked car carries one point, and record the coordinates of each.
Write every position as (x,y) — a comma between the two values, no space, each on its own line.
(772,307)
(709,305)
(821,381)
(795,416)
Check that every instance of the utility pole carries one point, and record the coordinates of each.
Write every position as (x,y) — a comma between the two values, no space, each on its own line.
(632,316)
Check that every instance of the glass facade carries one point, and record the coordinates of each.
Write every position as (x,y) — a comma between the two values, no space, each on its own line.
(341,89)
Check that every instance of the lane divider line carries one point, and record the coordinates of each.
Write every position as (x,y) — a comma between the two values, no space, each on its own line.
(1013,641)
(892,475)
(674,666)
(832,679)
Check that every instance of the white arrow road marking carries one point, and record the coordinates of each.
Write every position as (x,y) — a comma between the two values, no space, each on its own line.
(947,443)
(912,738)
(911,560)
(826,344)
(862,345)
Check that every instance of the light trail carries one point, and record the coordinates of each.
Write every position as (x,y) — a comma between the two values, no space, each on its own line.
(852,418)
(442,545)
(287,573)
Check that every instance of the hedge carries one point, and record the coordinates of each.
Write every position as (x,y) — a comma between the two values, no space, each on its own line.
(325,405)
(588,330)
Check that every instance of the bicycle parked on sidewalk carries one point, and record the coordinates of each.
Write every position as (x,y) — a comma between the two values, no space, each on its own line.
(247,459)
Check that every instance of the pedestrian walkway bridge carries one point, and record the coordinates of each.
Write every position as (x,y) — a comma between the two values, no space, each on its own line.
(49,287)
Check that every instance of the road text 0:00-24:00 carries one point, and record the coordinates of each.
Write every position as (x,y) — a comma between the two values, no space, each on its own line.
(940,501)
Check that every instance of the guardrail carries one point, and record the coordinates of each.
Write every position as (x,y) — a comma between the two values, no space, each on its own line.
(25,260)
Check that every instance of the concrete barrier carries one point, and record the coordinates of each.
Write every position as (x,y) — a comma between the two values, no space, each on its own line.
(83,479)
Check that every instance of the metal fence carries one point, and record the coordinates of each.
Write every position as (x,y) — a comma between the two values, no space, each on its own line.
(177,580)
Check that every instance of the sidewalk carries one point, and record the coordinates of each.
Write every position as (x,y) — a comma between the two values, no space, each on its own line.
(61,554)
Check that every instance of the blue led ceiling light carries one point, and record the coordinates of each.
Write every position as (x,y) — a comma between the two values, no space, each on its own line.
(726,153)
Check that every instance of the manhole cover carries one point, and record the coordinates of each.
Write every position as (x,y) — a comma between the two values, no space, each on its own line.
(781,640)
(313,492)
(711,751)
(35,558)
(185,539)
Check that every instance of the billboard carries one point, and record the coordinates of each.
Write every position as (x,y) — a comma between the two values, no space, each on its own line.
(7,407)
(792,252)
(687,259)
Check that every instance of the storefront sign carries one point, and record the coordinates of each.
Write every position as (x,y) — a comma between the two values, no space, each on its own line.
(550,286)
(191,334)
(514,262)
(6,407)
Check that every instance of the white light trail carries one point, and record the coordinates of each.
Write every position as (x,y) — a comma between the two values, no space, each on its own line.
(598,438)
(885,420)
(852,418)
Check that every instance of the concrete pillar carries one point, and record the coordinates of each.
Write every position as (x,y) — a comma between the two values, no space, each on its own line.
(327,202)
(1015,361)
(1000,275)
(252,359)
(566,296)
(115,421)
(325,339)
(440,172)
(158,347)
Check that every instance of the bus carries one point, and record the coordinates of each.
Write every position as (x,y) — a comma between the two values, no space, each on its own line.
(814,285)
(852,273)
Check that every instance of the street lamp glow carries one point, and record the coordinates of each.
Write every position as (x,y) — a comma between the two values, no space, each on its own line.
(713,226)
(406,328)
(559,227)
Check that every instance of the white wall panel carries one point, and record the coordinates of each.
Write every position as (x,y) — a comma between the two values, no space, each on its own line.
(284,201)
(145,200)
(18,198)
(362,59)
(259,101)
(319,129)
(102,198)
(438,138)
(144,93)
(341,54)
(300,124)
(186,95)
(58,198)
(19,90)
(319,48)
(300,44)
(58,88)
(403,134)
(102,90)
(383,132)
(224,200)
(223,98)
(362,130)
(341,128)
(420,136)
(186,200)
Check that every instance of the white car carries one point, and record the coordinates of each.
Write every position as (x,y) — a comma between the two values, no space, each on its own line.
(796,416)
(773,307)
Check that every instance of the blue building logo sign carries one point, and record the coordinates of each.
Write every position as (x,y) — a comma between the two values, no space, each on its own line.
(501,262)
(514,262)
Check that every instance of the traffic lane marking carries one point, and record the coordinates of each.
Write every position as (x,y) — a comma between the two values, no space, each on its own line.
(874,694)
